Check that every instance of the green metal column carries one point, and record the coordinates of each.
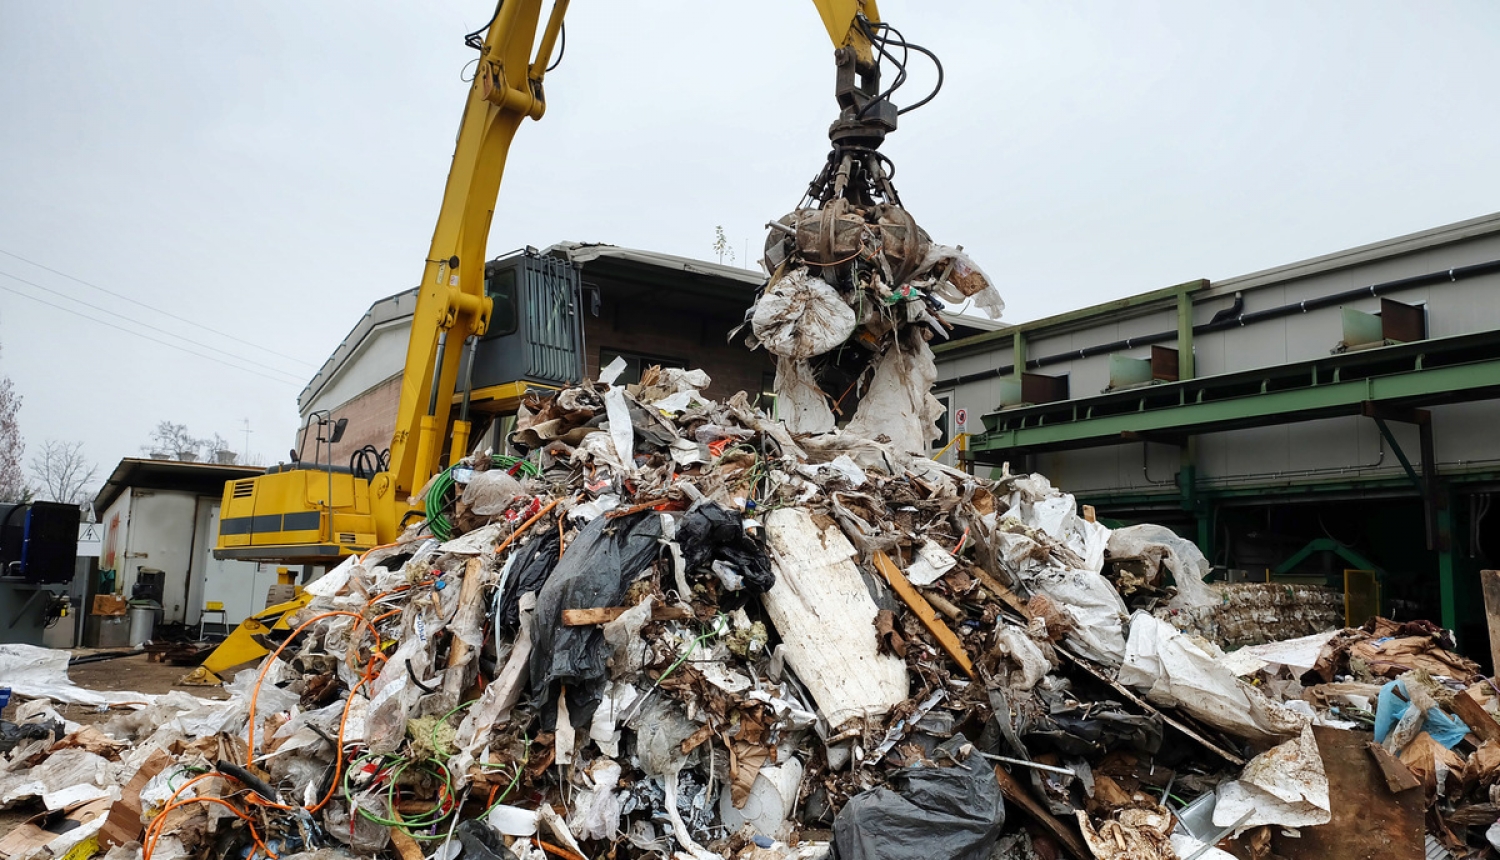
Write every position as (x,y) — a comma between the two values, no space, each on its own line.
(1018,356)
(1184,336)
(1447,588)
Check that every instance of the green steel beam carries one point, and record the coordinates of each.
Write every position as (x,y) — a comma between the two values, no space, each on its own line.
(1390,439)
(1184,336)
(1326,545)
(1267,492)
(1276,407)
(1447,591)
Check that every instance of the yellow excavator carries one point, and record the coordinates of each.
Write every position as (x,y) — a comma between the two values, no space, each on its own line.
(517,315)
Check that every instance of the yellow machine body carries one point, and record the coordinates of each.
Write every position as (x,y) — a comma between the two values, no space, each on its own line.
(245,644)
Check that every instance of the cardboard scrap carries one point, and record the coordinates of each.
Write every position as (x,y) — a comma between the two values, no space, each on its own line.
(125,821)
(57,832)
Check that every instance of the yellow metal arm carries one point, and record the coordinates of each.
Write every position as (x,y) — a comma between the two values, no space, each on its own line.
(451,305)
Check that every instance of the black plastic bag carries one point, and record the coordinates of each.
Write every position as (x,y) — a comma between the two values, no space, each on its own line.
(595,570)
(710,532)
(481,842)
(949,812)
(13,735)
(534,563)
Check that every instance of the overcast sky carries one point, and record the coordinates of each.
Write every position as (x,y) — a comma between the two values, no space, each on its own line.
(258,173)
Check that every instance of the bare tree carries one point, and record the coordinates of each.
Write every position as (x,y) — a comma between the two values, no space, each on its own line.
(64,473)
(13,486)
(174,440)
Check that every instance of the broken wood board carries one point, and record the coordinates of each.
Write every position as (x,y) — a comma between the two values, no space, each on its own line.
(124,824)
(1170,720)
(1398,777)
(606,614)
(1016,794)
(924,612)
(1490,581)
(823,610)
(1369,821)
(997,588)
(1479,721)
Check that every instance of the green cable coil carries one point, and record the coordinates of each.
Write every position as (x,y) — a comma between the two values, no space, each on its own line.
(443,493)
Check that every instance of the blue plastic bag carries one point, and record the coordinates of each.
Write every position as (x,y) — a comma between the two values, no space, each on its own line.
(1444,729)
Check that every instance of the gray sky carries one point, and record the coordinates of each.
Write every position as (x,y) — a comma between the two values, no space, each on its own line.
(266,170)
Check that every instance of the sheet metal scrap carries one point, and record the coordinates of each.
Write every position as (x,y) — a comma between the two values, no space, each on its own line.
(669,629)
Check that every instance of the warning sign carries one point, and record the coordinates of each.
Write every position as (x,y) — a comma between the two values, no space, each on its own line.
(90,540)
(961,420)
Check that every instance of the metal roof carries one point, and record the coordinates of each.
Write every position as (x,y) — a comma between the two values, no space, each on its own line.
(203,478)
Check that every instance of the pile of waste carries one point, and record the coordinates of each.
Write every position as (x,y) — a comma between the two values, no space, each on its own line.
(854,294)
(675,628)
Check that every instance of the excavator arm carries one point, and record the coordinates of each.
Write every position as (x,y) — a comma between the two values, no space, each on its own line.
(452,308)
(315,514)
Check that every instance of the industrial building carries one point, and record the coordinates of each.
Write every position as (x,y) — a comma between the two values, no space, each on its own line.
(646,307)
(1333,414)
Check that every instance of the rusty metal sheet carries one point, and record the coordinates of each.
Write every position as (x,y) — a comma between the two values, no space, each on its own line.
(1369,821)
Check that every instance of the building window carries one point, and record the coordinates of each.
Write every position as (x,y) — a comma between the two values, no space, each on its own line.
(635,363)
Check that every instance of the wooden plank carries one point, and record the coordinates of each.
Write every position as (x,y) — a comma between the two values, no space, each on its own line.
(1398,777)
(1151,709)
(606,614)
(1476,717)
(995,587)
(405,845)
(924,612)
(1490,579)
(1369,821)
(1017,794)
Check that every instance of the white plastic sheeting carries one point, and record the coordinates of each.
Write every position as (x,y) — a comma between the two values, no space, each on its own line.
(1285,785)
(1175,670)
(42,673)
(1160,546)
(801,316)
(899,404)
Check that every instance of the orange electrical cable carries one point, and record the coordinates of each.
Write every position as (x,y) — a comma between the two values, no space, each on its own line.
(149,840)
(249,822)
(266,666)
(338,753)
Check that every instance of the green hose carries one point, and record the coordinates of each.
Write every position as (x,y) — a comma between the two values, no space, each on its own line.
(443,494)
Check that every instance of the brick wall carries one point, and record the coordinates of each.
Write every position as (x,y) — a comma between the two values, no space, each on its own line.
(372,420)
(697,339)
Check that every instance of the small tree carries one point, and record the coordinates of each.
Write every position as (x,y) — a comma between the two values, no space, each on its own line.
(64,473)
(721,244)
(13,486)
(174,440)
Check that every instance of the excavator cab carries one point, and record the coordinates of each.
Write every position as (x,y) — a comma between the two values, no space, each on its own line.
(315,511)
(535,336)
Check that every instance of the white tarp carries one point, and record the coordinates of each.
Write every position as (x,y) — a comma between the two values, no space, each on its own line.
(801,316)
(42,673)
(1160,546)
(899,404)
